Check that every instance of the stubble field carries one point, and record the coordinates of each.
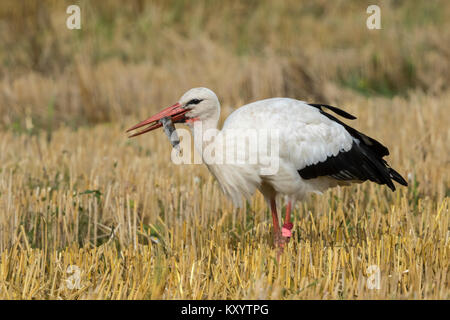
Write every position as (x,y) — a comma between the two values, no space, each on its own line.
(86,213)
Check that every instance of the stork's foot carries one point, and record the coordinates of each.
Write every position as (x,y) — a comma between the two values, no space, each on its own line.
(286,232)
(280,239)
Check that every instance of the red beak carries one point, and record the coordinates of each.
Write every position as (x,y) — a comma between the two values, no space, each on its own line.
(176,112)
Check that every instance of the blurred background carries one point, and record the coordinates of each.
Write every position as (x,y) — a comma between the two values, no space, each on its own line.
(75,191)
(134,57)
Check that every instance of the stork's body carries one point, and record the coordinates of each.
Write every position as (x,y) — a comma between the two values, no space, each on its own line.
(305,137)
(316,151)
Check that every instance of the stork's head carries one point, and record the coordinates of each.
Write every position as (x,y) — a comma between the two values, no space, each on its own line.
(197,104)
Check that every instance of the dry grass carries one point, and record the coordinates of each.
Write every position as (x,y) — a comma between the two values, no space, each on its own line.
(138,226)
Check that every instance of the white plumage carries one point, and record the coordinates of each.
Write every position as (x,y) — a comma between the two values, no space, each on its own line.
(306,137)
(316,150)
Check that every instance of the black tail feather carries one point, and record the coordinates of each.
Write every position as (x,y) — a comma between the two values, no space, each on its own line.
(397,177)
(364,161)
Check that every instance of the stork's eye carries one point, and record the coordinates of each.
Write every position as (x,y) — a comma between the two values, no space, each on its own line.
(194,101)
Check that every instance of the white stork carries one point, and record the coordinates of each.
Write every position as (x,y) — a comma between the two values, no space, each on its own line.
(316,150)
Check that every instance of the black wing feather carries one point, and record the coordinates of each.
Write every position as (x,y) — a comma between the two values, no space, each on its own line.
(338,111)
(377,147)
(364,161)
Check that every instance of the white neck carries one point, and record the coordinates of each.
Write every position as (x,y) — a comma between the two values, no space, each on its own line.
(230,179)
(204,132)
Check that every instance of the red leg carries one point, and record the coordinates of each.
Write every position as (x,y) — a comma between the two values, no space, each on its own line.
(277,239)
(287,226)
